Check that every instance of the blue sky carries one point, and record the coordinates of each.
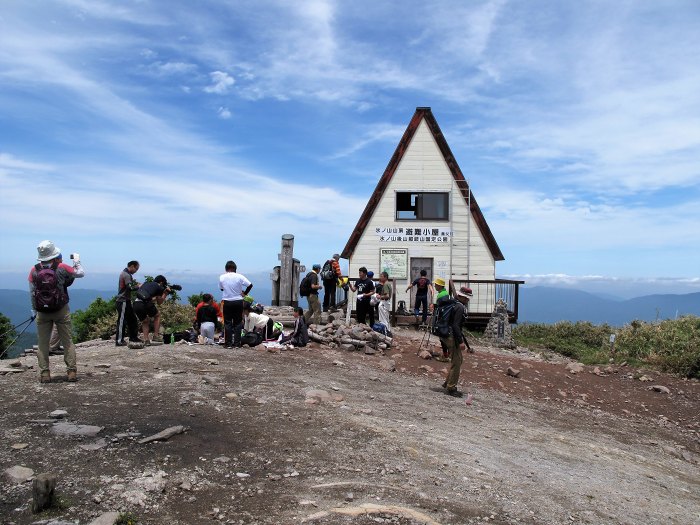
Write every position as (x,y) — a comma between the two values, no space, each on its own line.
(183,134)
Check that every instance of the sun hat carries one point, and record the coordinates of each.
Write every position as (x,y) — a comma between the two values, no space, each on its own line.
(47,251)
(439,282)
(465,291)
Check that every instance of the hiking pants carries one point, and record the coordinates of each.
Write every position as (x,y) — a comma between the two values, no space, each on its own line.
(328,294)
(422,300)
(126,322)
(455,361)
(45,321)
(314,311)
(384,313)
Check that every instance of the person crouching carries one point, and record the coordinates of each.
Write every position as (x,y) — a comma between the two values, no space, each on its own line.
(256,327)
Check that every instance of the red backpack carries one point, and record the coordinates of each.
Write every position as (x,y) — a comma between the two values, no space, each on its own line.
(49,296)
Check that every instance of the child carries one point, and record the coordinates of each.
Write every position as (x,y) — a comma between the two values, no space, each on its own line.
(300,334)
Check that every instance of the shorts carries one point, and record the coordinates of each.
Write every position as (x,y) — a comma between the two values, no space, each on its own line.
(145,309)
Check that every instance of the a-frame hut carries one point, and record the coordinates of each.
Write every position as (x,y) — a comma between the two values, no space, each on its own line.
(423,215)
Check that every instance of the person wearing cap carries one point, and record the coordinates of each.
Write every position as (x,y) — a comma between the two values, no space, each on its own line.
(455,342)
(329,285)
(148,296)
(314,311)
(439,285)
(53,312)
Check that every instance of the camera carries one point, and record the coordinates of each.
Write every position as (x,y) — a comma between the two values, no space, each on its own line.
(75,257)
(175,287)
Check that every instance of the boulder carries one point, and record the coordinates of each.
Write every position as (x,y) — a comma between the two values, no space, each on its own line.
(18,474)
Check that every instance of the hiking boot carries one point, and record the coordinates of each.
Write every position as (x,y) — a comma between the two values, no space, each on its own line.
(136,345)
(444,385)
(454,393)
(72,376)
(156,340)
(45,377)
(56,351)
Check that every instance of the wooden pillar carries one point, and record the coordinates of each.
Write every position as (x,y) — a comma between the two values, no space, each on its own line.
(286,258)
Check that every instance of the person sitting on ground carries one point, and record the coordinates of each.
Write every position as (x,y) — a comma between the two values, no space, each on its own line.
(300,334)
(207,316)
(257,327)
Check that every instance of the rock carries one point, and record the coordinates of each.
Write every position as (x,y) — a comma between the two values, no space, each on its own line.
(242,475)
(319,395)
(426,368)
(370,351)
(58,414)
(20,446)
(97,445)
(338,363)
(135,497)
(108,518)
(424,354)
(213,362)
(349,497)
(18,474)
(347,346)
(209,380)
(43,488)
(63,428)
(176,372)
(388,365)
(513,372)
(574,368)
(597,371)
(163,435)
(231,395)
(102,365)
(645,379)
(660,388)
(222,459)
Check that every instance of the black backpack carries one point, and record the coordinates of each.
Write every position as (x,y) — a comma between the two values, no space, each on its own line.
(327,273)
(442,318)
(49,296)
(305,285)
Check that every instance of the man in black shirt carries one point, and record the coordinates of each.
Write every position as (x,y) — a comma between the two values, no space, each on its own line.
(364,286)
(148,295)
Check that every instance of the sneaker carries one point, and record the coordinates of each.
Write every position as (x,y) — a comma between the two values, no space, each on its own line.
(123,343)
(157,339)
(454,393)
(444,385)
(72,376)
(45,377)
(56,351)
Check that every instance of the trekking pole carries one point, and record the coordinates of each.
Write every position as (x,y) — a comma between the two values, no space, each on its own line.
(28,322)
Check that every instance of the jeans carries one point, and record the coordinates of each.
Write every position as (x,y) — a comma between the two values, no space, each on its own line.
(207,331)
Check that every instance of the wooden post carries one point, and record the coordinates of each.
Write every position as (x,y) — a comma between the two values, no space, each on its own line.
(275,278)
(286,258)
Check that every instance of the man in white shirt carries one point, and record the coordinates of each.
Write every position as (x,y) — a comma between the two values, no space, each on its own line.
(235,287)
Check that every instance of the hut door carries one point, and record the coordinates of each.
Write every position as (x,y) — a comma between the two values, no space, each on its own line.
(418,264)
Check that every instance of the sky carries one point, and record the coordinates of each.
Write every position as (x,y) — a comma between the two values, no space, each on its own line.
(185,134)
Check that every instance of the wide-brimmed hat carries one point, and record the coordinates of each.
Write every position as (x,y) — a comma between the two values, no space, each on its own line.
(465,291)
(439,282)
(47,251)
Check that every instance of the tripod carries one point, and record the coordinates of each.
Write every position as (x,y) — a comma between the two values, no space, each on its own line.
(28,322)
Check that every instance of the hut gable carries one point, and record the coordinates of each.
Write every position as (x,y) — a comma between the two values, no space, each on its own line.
(423,161)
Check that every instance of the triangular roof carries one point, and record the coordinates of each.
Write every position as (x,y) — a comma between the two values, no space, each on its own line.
(427,115)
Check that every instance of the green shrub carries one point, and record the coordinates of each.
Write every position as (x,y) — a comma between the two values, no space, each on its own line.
(85,321)
(671,345)
(195,299)
(175,316)
(7,334)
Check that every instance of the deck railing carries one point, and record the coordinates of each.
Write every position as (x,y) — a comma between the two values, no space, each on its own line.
(487,292)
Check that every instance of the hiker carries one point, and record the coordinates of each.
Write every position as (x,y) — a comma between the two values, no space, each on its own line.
(207,315)
(452,339)
(384,299)
(312,286)
(423,286)
(235,287)
(439,285)
(300,334)
(49,280)
(364,286)
(149,295)
(330,274)
(126,319)
(256,327)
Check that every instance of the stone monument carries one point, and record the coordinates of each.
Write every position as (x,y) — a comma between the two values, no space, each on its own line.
(498,330)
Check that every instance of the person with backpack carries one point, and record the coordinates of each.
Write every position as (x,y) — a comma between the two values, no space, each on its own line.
(49,280)
(447,325)
(330,273)
(423,286)
(234,287)
(309,288)
(207,315)
(149,295)
(126,319)
(364,286)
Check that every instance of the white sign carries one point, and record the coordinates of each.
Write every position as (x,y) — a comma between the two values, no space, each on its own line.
(394,261)
(417,234)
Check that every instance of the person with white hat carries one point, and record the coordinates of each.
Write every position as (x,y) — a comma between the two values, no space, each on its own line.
(49,280)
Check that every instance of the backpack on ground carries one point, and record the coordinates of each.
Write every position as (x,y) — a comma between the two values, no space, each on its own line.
(305,285)
(381,328)
(327,272)
(442,318)
(49,296)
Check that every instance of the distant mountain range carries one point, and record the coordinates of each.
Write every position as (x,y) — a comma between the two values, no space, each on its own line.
(542,304)
(538,304)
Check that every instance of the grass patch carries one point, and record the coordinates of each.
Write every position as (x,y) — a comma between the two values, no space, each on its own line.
(671,345)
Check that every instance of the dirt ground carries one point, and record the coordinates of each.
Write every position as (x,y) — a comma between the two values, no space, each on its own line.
(325,436)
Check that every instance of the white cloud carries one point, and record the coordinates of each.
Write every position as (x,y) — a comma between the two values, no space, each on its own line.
(224,113)
(221,82)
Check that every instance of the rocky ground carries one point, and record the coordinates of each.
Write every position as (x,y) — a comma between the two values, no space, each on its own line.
(325,435)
